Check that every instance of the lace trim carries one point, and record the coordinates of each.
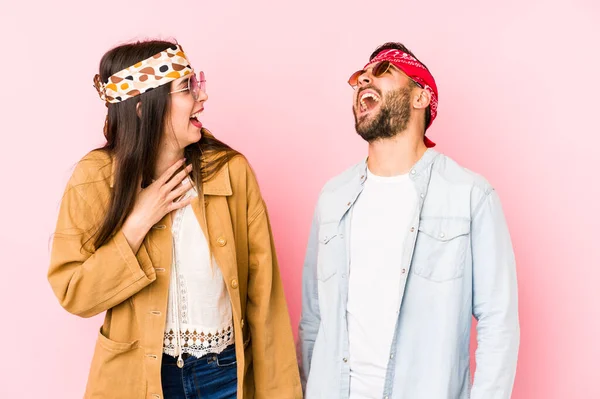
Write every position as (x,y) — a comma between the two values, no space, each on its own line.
(183,300)
(180,282)
(196,343)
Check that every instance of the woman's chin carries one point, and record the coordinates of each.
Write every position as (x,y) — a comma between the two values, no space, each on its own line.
(194,137)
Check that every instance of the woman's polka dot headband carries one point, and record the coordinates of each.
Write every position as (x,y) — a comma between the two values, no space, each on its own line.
(144,76)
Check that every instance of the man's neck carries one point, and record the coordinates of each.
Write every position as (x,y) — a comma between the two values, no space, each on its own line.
(396,155)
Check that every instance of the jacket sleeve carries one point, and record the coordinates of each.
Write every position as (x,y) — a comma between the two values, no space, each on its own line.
(494,302)
(87,280)
(273,352)
(311,316)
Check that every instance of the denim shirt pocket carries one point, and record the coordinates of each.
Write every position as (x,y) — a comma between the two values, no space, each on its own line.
(441,248)
(326,261)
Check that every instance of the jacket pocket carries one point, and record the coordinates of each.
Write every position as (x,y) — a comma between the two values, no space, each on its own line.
(326,259)
(117,370)
(441,248)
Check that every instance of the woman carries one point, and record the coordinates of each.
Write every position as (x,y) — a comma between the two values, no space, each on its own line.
(164,228)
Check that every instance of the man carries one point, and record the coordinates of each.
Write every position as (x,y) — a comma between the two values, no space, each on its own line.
(404,248)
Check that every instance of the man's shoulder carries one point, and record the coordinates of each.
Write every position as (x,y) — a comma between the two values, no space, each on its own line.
(453,173)
(342,179)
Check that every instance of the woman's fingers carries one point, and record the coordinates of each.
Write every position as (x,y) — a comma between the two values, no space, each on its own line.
(179,191)
(180,204)
(178,178)
(169,172)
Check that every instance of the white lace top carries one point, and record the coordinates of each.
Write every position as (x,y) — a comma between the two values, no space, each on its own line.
(199,316)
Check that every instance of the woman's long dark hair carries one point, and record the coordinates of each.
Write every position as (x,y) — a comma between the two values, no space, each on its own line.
(132,141)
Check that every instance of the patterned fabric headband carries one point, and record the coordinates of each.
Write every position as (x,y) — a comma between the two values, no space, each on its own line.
(144,76)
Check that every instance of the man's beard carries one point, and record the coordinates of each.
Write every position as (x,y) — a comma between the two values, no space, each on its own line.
(392,118)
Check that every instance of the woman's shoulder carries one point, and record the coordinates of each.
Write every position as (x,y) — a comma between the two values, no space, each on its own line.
(241,168)
(95,167)
(242,176)
(232,163)
(239,163)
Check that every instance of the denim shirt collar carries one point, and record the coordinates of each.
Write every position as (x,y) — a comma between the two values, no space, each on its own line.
(348,193)
(419,173)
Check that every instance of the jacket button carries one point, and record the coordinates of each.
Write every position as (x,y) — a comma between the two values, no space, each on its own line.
(234,283)
(221,241)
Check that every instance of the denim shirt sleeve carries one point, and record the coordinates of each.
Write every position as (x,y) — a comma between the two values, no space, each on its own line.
(311,317)
(494,301)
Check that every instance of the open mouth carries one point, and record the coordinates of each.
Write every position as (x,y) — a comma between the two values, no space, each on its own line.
(368,100)
(195,119)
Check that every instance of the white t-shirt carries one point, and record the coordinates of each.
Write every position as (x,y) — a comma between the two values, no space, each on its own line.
(381,218)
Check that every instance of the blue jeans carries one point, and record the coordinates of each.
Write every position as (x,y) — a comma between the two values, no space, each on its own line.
(209,377)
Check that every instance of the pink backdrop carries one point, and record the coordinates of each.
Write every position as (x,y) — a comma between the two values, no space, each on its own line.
(518,103)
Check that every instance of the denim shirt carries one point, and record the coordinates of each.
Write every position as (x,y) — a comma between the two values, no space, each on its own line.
(459,262)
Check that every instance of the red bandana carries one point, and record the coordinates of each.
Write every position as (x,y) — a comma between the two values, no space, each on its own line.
(417,72)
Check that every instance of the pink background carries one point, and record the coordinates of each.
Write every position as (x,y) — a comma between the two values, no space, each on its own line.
(518,104)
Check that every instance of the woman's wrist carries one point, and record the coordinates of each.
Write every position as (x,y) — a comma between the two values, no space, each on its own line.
(135,230)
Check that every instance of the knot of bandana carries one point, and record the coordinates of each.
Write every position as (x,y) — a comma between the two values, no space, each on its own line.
(415,70)
(100,87)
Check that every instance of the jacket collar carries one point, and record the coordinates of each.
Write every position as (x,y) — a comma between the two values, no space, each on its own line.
(418,172)
(220,184)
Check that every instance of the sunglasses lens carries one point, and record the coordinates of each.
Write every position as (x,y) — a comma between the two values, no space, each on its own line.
(202,82)
(380,68)
(193,87)
(353,81)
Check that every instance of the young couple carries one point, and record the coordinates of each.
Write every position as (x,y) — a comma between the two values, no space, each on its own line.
(164,228)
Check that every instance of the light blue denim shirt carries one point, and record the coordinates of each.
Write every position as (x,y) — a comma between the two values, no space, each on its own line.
(460,263)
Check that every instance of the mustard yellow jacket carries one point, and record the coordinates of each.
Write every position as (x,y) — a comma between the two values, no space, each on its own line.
(133,287)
